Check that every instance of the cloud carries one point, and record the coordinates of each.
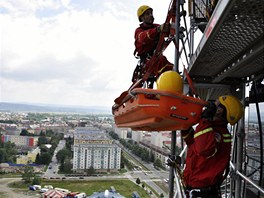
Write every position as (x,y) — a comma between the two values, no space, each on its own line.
(48,68)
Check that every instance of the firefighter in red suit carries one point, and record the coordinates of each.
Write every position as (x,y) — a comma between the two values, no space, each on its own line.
(209,147)
(146,40)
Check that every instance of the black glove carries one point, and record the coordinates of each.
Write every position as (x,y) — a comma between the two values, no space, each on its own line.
(187,133)
(209,111)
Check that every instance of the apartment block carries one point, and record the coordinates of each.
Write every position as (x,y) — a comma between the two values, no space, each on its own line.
(93,148)
(21,140)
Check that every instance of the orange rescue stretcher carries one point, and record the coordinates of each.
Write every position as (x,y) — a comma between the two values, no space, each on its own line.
(156,110)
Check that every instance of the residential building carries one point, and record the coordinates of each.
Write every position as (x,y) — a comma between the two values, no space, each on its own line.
(27,141)
(159,138)
(137,136)
(93,148)
(11,129)
(29,158)
(121,132)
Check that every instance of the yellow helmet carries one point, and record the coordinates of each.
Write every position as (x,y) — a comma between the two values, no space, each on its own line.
(234,108)
(141,11)
(170,81)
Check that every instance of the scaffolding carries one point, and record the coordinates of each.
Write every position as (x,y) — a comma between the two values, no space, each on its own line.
(228,60)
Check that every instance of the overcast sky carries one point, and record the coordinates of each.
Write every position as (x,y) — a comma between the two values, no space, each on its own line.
(69,52)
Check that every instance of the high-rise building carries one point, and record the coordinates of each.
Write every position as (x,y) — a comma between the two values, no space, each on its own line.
(94,149)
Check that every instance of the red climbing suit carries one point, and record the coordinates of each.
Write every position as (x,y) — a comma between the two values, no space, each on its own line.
(146,40)
(208,154)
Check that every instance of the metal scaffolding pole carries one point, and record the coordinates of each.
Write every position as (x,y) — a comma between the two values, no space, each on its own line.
(240,147)
(176,68)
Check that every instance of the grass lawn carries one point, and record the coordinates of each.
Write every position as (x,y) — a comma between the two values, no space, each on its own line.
(124,187)
(10,175)
(2,195)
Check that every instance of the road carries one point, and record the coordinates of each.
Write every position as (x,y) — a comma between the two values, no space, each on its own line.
(53,167)
(148,176)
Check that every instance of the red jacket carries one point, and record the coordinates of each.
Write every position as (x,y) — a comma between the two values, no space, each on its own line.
(146,39)
(208,154)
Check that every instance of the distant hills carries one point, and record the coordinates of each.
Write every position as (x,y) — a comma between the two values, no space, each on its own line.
(20,107)
(16,107)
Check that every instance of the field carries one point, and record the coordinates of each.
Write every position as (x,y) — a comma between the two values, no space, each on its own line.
(123,187)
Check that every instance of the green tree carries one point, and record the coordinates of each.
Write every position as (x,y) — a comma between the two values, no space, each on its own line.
(43,149)
(8,152)
(122,164)
(49,133)
(161,195)
(36,180)
(158,163)
(113,135)
(138,181)
(145,155)
(28,174)
(67,166)
(24,132)
(91,171)
(42,133)
(69,143)
(3,155)
(38,159)
(63,154)
(45,158)
(61,167)
(152,156)
(42,140)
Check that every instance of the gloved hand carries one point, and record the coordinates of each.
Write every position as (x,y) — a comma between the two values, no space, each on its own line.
(189,131)
(165,27)
(187,135)
(209,111)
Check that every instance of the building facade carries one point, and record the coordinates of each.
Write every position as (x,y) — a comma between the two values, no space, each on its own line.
(122,132)
(26,141)
(93,149)
(29,158)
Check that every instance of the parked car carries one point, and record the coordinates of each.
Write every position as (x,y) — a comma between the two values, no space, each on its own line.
(38,187)
(33,188)
(43,190)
